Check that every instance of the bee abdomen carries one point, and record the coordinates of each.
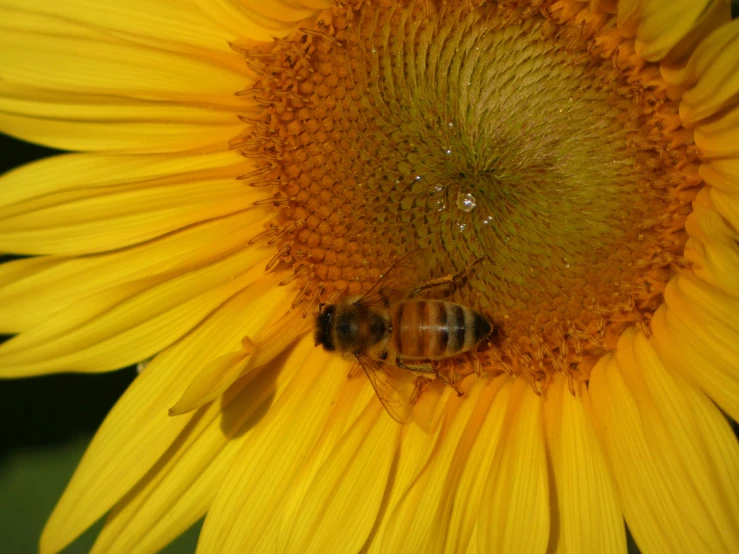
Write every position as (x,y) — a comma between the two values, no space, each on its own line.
(435,329)
(463,324)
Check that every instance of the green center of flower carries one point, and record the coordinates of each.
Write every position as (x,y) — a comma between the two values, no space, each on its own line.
(471,132)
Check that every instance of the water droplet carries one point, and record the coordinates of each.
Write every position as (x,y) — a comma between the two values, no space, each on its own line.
(436,187)
(450,124)
(141,366)
(466,202)
(418,177)
(448,151)
(460,226)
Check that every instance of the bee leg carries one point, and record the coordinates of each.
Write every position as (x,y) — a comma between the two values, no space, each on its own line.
(447,281)
(476,364)
(449,382)
(420,386)
(419,368)
(427,368)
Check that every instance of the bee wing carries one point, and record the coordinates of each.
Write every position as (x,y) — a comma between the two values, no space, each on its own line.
(394,392)
(399,280)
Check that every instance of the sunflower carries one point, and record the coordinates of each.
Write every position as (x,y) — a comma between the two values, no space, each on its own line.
(239,163)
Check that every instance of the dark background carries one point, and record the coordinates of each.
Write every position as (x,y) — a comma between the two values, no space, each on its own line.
(46,423)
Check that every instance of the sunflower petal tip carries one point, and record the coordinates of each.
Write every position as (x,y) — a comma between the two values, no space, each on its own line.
(49,542)
(214,379)
(188,402)
(248,345)
(179,408)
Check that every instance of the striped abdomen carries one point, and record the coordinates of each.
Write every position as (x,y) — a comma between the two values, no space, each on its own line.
(432,329)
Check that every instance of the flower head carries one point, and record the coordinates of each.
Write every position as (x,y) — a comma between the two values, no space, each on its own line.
(568,172)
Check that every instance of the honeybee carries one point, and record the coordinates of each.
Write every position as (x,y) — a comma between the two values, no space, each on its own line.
(391,328)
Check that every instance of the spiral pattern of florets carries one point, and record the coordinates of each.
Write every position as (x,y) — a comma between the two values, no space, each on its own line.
(495,131)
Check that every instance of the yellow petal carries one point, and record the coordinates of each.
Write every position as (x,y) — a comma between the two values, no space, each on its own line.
(222,372)
(106,172)
(350,404)
(667,451)
(712,247)
(417,447)
(341,500)
(420,521)
(68,75)
(213,380)
(663,25)
(181,487)
(32,290)
(180,25)
(129,136)
(19,270)
(589,518)
(255,486)
(138,430)
(722,174)
(119,219)
(468,498)
(472,547)
(714,68)
(691,437)
(716,13)
(685,73)
(514,509)
(257,20)
(725,204)
(285,11)
(697,334)
(137,327)
(207,109)
(429,410)
(719,138)
(628,16)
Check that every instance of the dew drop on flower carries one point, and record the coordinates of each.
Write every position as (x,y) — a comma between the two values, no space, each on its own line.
(141,366)
(466,202)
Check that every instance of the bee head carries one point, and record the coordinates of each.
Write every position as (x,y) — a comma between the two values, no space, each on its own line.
(323,327)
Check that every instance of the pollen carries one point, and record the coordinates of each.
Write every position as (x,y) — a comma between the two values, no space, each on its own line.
(533,137)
